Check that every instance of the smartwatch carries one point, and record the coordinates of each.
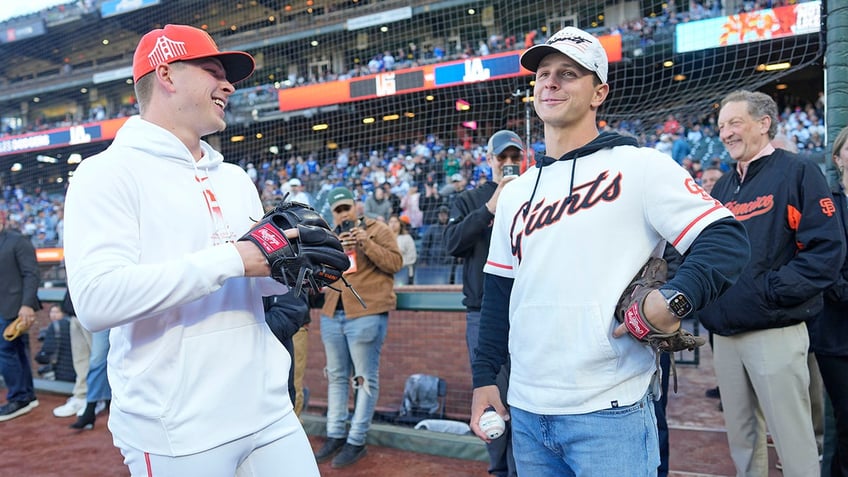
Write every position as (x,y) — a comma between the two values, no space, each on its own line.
(678,304)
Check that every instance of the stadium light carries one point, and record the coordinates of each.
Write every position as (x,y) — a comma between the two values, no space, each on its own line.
(74,158)
(774,66)
(16,167)
(46,159)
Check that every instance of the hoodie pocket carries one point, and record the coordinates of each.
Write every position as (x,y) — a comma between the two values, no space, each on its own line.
(561,345)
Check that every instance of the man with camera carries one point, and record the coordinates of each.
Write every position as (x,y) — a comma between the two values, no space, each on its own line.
(352,334)
(467,236)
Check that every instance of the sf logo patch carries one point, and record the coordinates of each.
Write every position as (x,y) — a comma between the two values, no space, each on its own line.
(827,206)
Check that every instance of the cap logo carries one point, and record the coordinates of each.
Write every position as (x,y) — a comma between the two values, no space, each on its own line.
(166,50)
(578,41)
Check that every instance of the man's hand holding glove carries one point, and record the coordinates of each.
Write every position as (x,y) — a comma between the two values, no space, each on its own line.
(630,311)
(315,258)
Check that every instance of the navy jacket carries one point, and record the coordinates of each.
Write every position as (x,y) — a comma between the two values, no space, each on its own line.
(829,332)
(797,245)
(467,236)
(19,277)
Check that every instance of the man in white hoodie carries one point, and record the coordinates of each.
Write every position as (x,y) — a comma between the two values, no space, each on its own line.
(152,253)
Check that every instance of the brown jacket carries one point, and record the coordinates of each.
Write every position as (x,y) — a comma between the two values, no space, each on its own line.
(377,261)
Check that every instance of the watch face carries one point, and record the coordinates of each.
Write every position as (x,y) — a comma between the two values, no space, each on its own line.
(679,305)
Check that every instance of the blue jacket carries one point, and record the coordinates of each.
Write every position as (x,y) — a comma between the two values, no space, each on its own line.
(797,245)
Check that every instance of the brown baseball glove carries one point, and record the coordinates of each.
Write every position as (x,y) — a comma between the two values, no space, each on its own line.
(15,329)
(629,311)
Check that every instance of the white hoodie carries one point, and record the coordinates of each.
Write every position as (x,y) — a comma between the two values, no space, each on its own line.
(192,363)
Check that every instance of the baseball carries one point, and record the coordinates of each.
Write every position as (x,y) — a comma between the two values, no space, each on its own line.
(492,424)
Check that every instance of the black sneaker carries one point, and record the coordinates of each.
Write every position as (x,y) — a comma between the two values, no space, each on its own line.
(349,454)
(713,393)
(14,409)
(329,449)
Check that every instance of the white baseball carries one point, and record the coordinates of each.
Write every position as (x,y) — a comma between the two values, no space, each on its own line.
(492,424)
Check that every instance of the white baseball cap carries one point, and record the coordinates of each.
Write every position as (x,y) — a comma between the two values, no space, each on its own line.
(295,182)
(574,43)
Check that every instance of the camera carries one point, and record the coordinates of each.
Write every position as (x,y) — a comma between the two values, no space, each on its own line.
(346,226)
(511,170)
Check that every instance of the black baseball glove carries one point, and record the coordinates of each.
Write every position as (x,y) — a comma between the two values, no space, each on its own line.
(315,258)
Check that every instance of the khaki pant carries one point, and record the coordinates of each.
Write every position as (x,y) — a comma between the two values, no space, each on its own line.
(764,379)
(301,343)
(81,351)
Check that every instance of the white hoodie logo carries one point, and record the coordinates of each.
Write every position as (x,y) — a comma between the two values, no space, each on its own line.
(166,50)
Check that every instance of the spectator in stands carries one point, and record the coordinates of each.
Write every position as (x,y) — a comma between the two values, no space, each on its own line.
(19,283)
(761,339)
(391,196)
(433,248)
(377,205)
(429,204)
(709,177)
(457,184)
(270,191)
(451,164)
(181,404)
(409,205)
(298,193)
(353,335)
(467,236)
(665,144)
(406,244)
(680,148)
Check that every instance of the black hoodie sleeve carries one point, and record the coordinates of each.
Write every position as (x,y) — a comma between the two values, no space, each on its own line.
(492,347)
(468,221)
(285,314)
(713,263)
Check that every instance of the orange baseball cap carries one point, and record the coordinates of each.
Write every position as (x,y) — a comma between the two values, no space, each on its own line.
(182,43)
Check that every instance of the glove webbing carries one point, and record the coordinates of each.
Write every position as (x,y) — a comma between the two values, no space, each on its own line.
(305,274)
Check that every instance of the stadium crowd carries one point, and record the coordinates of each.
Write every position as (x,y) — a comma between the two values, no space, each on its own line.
(419,178)
(641,31)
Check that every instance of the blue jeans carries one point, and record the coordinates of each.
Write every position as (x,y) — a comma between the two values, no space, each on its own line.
(97,381)
(618,441)
(14,364)
(353,358)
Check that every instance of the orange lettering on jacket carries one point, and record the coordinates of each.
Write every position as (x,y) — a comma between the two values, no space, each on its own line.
(745,210)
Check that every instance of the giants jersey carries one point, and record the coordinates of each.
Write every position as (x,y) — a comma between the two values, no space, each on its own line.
(571,256)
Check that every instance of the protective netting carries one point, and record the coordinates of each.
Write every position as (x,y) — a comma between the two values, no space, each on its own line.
(393,94)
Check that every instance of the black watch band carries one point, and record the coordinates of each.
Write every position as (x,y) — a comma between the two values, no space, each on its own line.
(677,303)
